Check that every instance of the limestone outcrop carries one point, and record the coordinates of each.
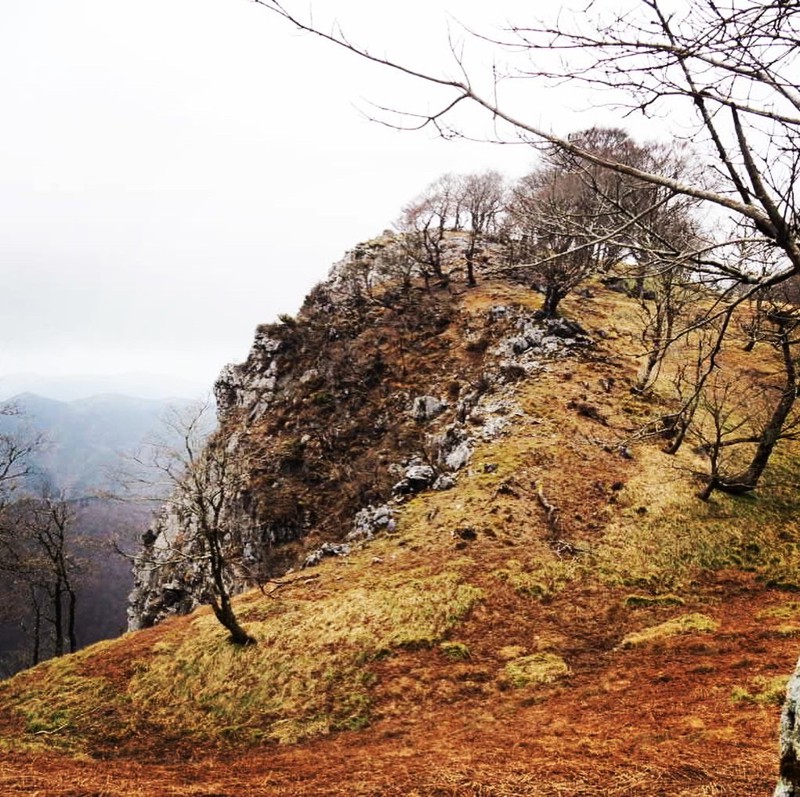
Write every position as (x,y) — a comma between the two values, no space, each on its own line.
(379,389)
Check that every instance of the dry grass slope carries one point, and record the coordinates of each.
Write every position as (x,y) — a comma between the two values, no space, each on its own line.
(437,662)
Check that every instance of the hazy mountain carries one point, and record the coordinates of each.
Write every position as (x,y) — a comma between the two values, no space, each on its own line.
(86,437)
(78,386)
(86,440)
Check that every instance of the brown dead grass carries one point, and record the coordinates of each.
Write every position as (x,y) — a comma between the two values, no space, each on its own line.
(659,718)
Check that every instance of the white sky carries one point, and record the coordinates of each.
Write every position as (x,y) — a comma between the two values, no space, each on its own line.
(174,172)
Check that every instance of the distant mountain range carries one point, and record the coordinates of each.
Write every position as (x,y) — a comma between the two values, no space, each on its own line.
(78,386)
(86,437)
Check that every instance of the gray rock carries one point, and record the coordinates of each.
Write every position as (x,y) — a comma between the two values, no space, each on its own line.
(564,328)
(325,550)
(371,520)
(519,344)
(444,482)
(454,447)
(424,408)
(415,479)
(250,385)
(789,783)
(459,456)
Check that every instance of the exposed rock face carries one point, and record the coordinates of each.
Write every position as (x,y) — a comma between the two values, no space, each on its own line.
(159,590)
(789,783)
(251,385)
(340,413)
(171,575)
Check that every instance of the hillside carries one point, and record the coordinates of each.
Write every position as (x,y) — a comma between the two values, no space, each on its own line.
(85,442)
(561,615)
(86,437)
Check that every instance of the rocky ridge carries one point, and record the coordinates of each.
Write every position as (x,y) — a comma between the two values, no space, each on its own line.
(373,393)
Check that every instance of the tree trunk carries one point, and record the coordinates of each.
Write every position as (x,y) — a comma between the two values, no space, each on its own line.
(748,479)
(221,602)
(71,635)
(58,618)
(223,611)
(552,297)
(37,628)
(470,257)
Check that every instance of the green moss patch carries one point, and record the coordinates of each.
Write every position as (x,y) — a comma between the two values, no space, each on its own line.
(685,624)
(540,668)
(646,601)
(457,651)
(762,691)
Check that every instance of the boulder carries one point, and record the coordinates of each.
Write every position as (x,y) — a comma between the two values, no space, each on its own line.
(444,482)
(415,479)
(371,520)
(455,447)
(424,408)
(789,783)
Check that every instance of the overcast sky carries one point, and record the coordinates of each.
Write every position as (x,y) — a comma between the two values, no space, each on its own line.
(174,172)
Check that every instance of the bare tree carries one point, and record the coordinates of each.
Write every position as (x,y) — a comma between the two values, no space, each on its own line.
(39,555)
(426,222)
(202,480)
(482,200)
(571,219)
(554,231)
(731,68)
(16,449)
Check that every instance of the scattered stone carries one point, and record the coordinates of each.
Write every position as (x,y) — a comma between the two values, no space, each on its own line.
(325,550)
(565,328)
(520,344)
(454,447)
(371,520)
